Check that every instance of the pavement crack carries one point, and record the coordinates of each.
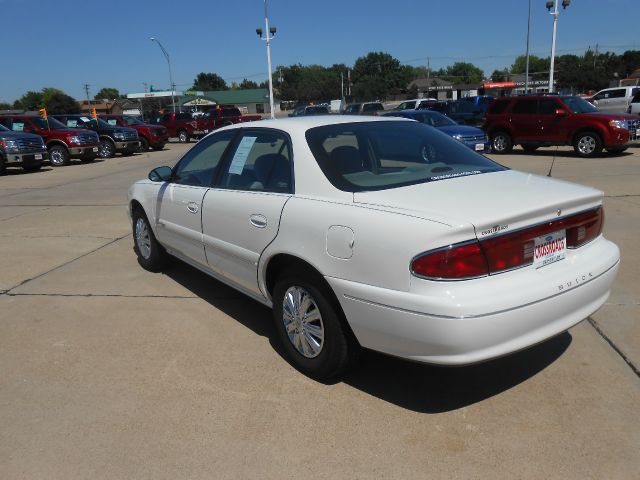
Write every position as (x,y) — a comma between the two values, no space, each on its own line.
(67,263)
(24,213)
(606,338)
(9,235)
(97,295)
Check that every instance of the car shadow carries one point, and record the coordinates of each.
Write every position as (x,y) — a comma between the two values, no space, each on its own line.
(413,386)
(551,152)
(10,171)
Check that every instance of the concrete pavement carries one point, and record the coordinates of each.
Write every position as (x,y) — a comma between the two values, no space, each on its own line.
(108,371)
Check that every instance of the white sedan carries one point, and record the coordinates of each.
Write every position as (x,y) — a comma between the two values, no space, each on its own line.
(381,233)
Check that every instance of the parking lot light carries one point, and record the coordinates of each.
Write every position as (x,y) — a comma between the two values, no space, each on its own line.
(171,85)
(269,34)
(555,13)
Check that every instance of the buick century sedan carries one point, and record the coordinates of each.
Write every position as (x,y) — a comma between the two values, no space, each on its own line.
(381,233)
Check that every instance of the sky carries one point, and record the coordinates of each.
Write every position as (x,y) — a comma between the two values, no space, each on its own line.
(67,43)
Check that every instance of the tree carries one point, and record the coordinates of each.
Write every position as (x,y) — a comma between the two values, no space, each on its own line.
(537,65)
(209,81)
(29,101)
(109,93)
(377,74)
(500,75)
(464,72)
(60,102)
(5,106)
(247,84)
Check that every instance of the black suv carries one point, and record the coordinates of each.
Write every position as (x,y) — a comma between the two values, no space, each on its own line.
(112,138)
(24,150)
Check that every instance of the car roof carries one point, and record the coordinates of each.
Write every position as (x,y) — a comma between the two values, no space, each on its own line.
(305,123)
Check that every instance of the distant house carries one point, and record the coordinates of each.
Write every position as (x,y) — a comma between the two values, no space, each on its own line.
(631,80)
(103,106)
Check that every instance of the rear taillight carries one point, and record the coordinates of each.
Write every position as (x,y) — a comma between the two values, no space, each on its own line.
(505,252)
(455,262)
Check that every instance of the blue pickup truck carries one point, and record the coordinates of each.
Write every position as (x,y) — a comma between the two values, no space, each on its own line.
(24,150)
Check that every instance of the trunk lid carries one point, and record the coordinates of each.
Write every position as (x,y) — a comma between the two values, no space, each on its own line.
(494,203)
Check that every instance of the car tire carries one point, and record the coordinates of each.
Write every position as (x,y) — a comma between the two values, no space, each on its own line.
(615,151)
(527,147)
(311,328)
(3,167)
(501,142)
(58,156)
(587,144)
(151,255)
(183,136)
(144,145)
(32,168)
(106,149)
(157,148)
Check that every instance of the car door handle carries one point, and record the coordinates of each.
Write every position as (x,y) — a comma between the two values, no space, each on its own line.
(192,207)
(258,220)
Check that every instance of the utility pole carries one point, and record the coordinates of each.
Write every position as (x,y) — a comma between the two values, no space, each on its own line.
(555,13)
(86,89)
(526,71)
(144,84)
(428,74)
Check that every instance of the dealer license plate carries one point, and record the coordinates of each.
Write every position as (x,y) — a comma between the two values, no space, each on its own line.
(549,248)
(479,147)
(38,156)
(95,149)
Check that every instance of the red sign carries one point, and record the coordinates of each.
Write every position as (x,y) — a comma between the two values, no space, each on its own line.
(499,85)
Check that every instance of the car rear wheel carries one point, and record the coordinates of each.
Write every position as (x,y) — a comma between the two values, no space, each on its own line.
(151,255)
(58,156)
(183,136)
(587,144)
(157,148)
(309,323)
(501,142)
(107,149)
(3,167)
(527,147)
(144,145)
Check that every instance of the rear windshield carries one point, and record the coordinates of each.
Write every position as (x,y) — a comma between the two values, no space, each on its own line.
(366,156)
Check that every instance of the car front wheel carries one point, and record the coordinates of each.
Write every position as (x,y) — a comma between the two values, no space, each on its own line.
(309,324)
(183,136)
(501,142)
(587,144)
(107,149)
(58,156)
(151,255)
(144,145)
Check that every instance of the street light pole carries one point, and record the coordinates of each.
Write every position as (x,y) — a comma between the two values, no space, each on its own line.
(526,72)
(269,34)
(166,55)
(555,13)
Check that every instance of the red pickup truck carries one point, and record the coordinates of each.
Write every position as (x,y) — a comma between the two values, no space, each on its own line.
(153,136)
(186,126)
(62,143)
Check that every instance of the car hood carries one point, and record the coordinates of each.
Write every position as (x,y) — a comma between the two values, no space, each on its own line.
(461,130)
(11,134)
(608,116)
(491,202)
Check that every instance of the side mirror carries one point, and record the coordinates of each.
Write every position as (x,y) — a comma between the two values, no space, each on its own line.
(560,112)
(160,174)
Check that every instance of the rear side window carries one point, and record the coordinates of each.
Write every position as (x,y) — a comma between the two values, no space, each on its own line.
(260,161)
(548,106)
(636,99)
(184,116)
(499,106)
(372,107)
(525,107)
(617,93)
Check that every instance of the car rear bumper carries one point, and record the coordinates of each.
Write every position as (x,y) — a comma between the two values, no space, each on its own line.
(463,325)
(26,158)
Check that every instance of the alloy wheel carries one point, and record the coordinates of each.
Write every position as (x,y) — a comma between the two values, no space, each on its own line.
(143,239)
(586,145)
(303,322)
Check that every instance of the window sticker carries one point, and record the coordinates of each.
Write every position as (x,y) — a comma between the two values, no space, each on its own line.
(85,119)
(72,123)
(18,127)
(241,155)
(112,121)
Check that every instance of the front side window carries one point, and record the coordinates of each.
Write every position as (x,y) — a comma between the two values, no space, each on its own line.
(525,107)
(618,93)
(548,106)
(578,105)
(200,165)
(368,156)
(261,161)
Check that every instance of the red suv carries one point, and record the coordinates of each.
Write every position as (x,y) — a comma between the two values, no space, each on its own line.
(543,120)
(153,136)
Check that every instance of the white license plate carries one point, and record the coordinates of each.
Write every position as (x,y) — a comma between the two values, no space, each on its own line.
(479,147)
(197,132)
(95,149)
(549,248)
(38,156)
(206,131)
(638,132)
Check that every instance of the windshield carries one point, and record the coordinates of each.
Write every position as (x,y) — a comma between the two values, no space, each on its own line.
(434,119)
(129,120)
(578,105)
(3,128)
(54,124)
(365,156)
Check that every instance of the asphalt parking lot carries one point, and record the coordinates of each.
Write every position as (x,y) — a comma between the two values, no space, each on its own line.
(109,371)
